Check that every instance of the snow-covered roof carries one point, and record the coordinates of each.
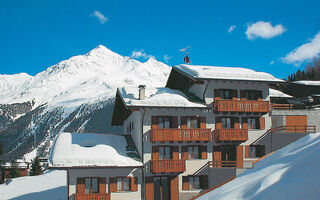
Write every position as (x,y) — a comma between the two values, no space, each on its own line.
(277,93)
(157,97)
(90,150)
(315,83)
(225,73)
(20,165)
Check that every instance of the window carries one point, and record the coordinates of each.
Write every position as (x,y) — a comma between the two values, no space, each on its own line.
(91,185)
(123,184)
(227,123)
(164,122)
(251,94)
(194,182)
(253,123)
(193,122)
(193,152)
(164,153)
(228,94)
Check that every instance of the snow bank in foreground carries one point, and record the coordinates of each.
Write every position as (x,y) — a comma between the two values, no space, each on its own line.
(290,173)
(49,186)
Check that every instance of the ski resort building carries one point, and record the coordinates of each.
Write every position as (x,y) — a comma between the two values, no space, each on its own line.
(207,125)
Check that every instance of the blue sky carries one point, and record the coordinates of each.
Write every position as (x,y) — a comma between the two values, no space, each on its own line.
(281,35)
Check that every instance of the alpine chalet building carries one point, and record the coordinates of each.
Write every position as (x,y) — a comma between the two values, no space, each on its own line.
(206,126)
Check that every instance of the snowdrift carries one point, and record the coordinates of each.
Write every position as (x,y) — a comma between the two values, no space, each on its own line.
(290,173)
(49,186)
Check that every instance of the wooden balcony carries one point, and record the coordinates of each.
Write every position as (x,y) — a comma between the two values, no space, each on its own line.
(222,163)
(229,135)
(168,166)
(92,196)
(180,135)
(241,106)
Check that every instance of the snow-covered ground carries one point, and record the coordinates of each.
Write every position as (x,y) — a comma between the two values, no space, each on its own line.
(49,186)
(290,173)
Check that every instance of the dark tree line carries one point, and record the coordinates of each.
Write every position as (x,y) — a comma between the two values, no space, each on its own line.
(310,72)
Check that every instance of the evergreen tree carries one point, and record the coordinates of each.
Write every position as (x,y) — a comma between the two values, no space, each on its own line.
(36,168)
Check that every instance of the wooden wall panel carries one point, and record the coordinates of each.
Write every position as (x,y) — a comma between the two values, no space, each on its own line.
(155,122)
(246,152)
(203,122)
(240,156)
(80,186)
(175,188)
(102,185)
(112,184)
(149,188)
(155,153)
(134,184)
(297,120)
(262,123)
(175,152)
(204,154)
(183,122)
(185,183)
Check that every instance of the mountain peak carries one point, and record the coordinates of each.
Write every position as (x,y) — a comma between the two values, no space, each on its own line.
(100,49)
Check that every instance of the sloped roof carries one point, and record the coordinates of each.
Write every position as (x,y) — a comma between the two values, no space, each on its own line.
(277,93)
(90,150)
(225,73)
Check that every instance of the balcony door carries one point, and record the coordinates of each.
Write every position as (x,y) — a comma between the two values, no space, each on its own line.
(162,188)
(193,122)
(164,122)
(165,153)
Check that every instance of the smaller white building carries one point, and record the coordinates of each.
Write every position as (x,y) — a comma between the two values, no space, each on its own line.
(99,166)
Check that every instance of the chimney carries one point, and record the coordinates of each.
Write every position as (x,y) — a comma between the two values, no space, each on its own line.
(142,92)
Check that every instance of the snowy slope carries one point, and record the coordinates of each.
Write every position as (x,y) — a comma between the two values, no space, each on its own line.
(49,186)
(290,173)
(75,95)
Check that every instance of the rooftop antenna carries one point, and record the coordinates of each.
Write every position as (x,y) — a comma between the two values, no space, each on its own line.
(186,59)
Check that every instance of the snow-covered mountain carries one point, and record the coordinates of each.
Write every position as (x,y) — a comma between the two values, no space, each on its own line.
(75,95)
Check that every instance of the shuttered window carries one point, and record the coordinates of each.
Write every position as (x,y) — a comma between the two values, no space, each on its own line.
(228,94)
(91,185)
(123,184)
(251,94)
(194,152)
(194,182)
(253,123)
(165,153)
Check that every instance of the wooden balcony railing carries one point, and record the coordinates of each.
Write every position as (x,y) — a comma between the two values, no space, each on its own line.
(230,135)
(180,135)
(241,106)
(168,166)
(222,163)
(282,106)
(92,196)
